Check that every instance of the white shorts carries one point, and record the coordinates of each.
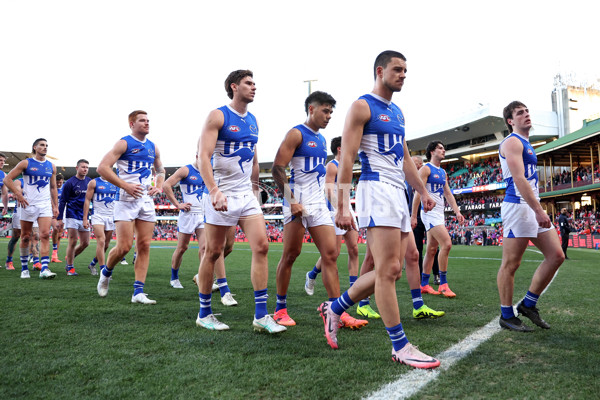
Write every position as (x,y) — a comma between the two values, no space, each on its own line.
(16,220)
(238,206)
(188,222)
(338,231)
(382,204)
(315,215)
(72,223)
(431,219)
(518,221)
(142,209)
(106,220)
(34,211)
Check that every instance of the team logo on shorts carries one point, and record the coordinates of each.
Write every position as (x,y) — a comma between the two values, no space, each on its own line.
(233,128)
(311,144)
(384,118)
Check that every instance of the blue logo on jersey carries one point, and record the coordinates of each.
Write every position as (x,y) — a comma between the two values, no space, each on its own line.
(144,173)
(198,192)
(244,153)
(319,170)
(40,184)
(107,200)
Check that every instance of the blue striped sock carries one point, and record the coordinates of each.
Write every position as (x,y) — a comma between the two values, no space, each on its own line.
(281,302)
(416,298)
(24,252)
(398,337)
(54,247)
(138,287)
(507,311)
(36,260)
(205,306)
(424,279)
(343,303)
(45,262)
(105,271)
(94,262)
(443,278)
(352,279)
(174,274)
(223,288)
(313,274)
(530,299)
(260,303)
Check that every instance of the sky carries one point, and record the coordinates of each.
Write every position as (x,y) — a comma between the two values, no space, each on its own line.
(71,71)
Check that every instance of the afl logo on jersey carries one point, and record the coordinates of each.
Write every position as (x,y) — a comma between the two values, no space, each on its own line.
(530,152)
(136,150)
(193,178)
(101,187)
(384,117)
(311,144)
(33,168)
(233,128)
(436,176)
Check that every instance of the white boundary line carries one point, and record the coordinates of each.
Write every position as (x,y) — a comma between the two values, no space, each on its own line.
(412,382)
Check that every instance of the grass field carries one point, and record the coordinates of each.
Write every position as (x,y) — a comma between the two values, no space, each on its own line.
(61,341)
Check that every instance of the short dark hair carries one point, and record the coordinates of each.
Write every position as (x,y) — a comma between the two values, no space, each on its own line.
(60,177)
(2,155)
(508,110)
(431,147)
(133,115)
(320,98)
(82,161)
(37,141)
(335,143)
(236,77)
(384,58)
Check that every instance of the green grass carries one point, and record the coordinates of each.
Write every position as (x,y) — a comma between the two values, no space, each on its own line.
(61,341)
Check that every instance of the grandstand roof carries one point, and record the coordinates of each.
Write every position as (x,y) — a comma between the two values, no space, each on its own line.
(576,144)
(479,131)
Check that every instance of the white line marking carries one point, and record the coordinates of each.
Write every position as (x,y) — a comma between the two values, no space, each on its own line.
(412,382)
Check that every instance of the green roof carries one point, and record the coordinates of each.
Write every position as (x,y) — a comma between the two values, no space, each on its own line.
(589,130)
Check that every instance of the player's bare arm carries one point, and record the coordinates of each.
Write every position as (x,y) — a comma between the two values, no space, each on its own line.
(284,155)
(206,147)
(54,192)
(105,169)
(89,195)
(358,115)
(452,201)
(173,180)
(160,174)
(330,175)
